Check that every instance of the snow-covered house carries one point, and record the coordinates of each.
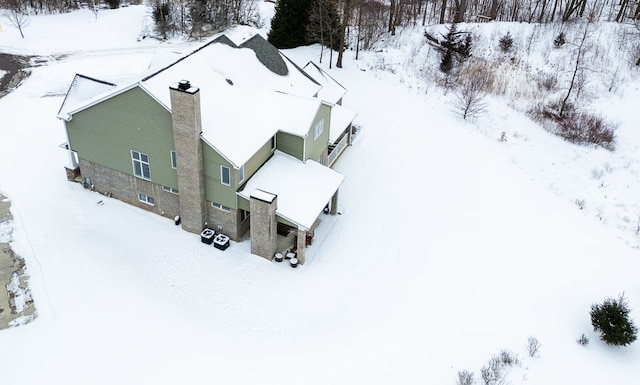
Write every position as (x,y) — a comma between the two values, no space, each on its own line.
(231,137)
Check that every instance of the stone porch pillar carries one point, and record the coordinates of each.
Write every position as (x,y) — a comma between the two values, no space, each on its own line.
(334,203)
(264,224)
(301,245)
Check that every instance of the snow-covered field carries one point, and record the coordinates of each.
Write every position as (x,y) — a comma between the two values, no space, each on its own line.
(451,246)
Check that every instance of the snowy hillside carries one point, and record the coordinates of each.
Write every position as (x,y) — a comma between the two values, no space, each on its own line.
(451,245)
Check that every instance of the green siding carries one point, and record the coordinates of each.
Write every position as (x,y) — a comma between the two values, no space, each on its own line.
(107,132)
(244,204)
(290,144)
(257,160)
(316,147)
(215,191)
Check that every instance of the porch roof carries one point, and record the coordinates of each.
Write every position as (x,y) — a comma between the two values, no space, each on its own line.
(303,189)
(341,118)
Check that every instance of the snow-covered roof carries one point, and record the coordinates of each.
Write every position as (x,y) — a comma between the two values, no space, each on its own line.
(253,62)
(341,118)
(331,91)
(82,90)
(240,110)
(303,189)
(236,120)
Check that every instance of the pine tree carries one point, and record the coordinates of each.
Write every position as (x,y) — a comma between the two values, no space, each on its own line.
(289,23)
(611,319)
(506,42)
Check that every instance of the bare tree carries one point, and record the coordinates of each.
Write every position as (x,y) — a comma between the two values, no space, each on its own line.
(346,16)
(469,101)
(18,19)
(577,68)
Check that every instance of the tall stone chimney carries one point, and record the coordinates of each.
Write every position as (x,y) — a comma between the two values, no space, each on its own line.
(263,224)
(187,127)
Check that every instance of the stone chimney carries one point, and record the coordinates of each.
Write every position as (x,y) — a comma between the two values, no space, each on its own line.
(263,224)
(187,127)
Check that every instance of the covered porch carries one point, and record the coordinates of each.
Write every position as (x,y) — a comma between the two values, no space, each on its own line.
(286,198)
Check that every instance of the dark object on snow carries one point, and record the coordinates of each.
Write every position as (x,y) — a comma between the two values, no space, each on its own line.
(206,236)
(293,262)
(177,220)
(221,242)
(279,257)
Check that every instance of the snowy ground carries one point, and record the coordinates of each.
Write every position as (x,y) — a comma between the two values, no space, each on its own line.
(451,245)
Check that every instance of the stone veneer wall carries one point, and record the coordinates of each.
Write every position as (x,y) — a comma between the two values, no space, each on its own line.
(227,219)
(126,187)
(264,227)
(187,127)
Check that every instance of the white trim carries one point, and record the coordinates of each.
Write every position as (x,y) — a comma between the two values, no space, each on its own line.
(241,174)
(146,199)
(221,175)
(218,151)
(220,207)
(174,159)
(170,190)
(142,162)
(318,131)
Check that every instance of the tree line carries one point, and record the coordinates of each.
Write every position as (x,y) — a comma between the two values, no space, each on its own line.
(334,22)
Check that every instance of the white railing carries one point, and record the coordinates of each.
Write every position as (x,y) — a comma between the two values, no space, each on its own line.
(338,149)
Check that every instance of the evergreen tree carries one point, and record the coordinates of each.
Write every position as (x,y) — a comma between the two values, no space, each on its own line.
(611,319)
(454,48)
(506,42)
(289,23)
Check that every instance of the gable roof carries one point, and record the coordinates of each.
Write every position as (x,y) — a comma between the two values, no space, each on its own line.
(331,90)
(82,89)
(237,118)
(267,54)
(240,110)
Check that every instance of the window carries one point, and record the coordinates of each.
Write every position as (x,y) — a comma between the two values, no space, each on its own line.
(317,130)
(174,160)
(225,175)
(170,189)
(244,215)
(141,166)
(220,207)
(241,173)
(146,199)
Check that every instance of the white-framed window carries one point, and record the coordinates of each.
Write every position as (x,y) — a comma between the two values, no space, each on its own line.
(244,215)
(170,189)
(241,173)
(225,175)
(174,160)
(318,129)
(220,207)
(141,167)
(146,199)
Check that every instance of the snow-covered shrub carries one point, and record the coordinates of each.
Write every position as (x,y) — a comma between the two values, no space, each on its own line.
(611,319)
(533,346)
(494,372)
(583,340)
(465,377)
(586,128)
(547,81)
